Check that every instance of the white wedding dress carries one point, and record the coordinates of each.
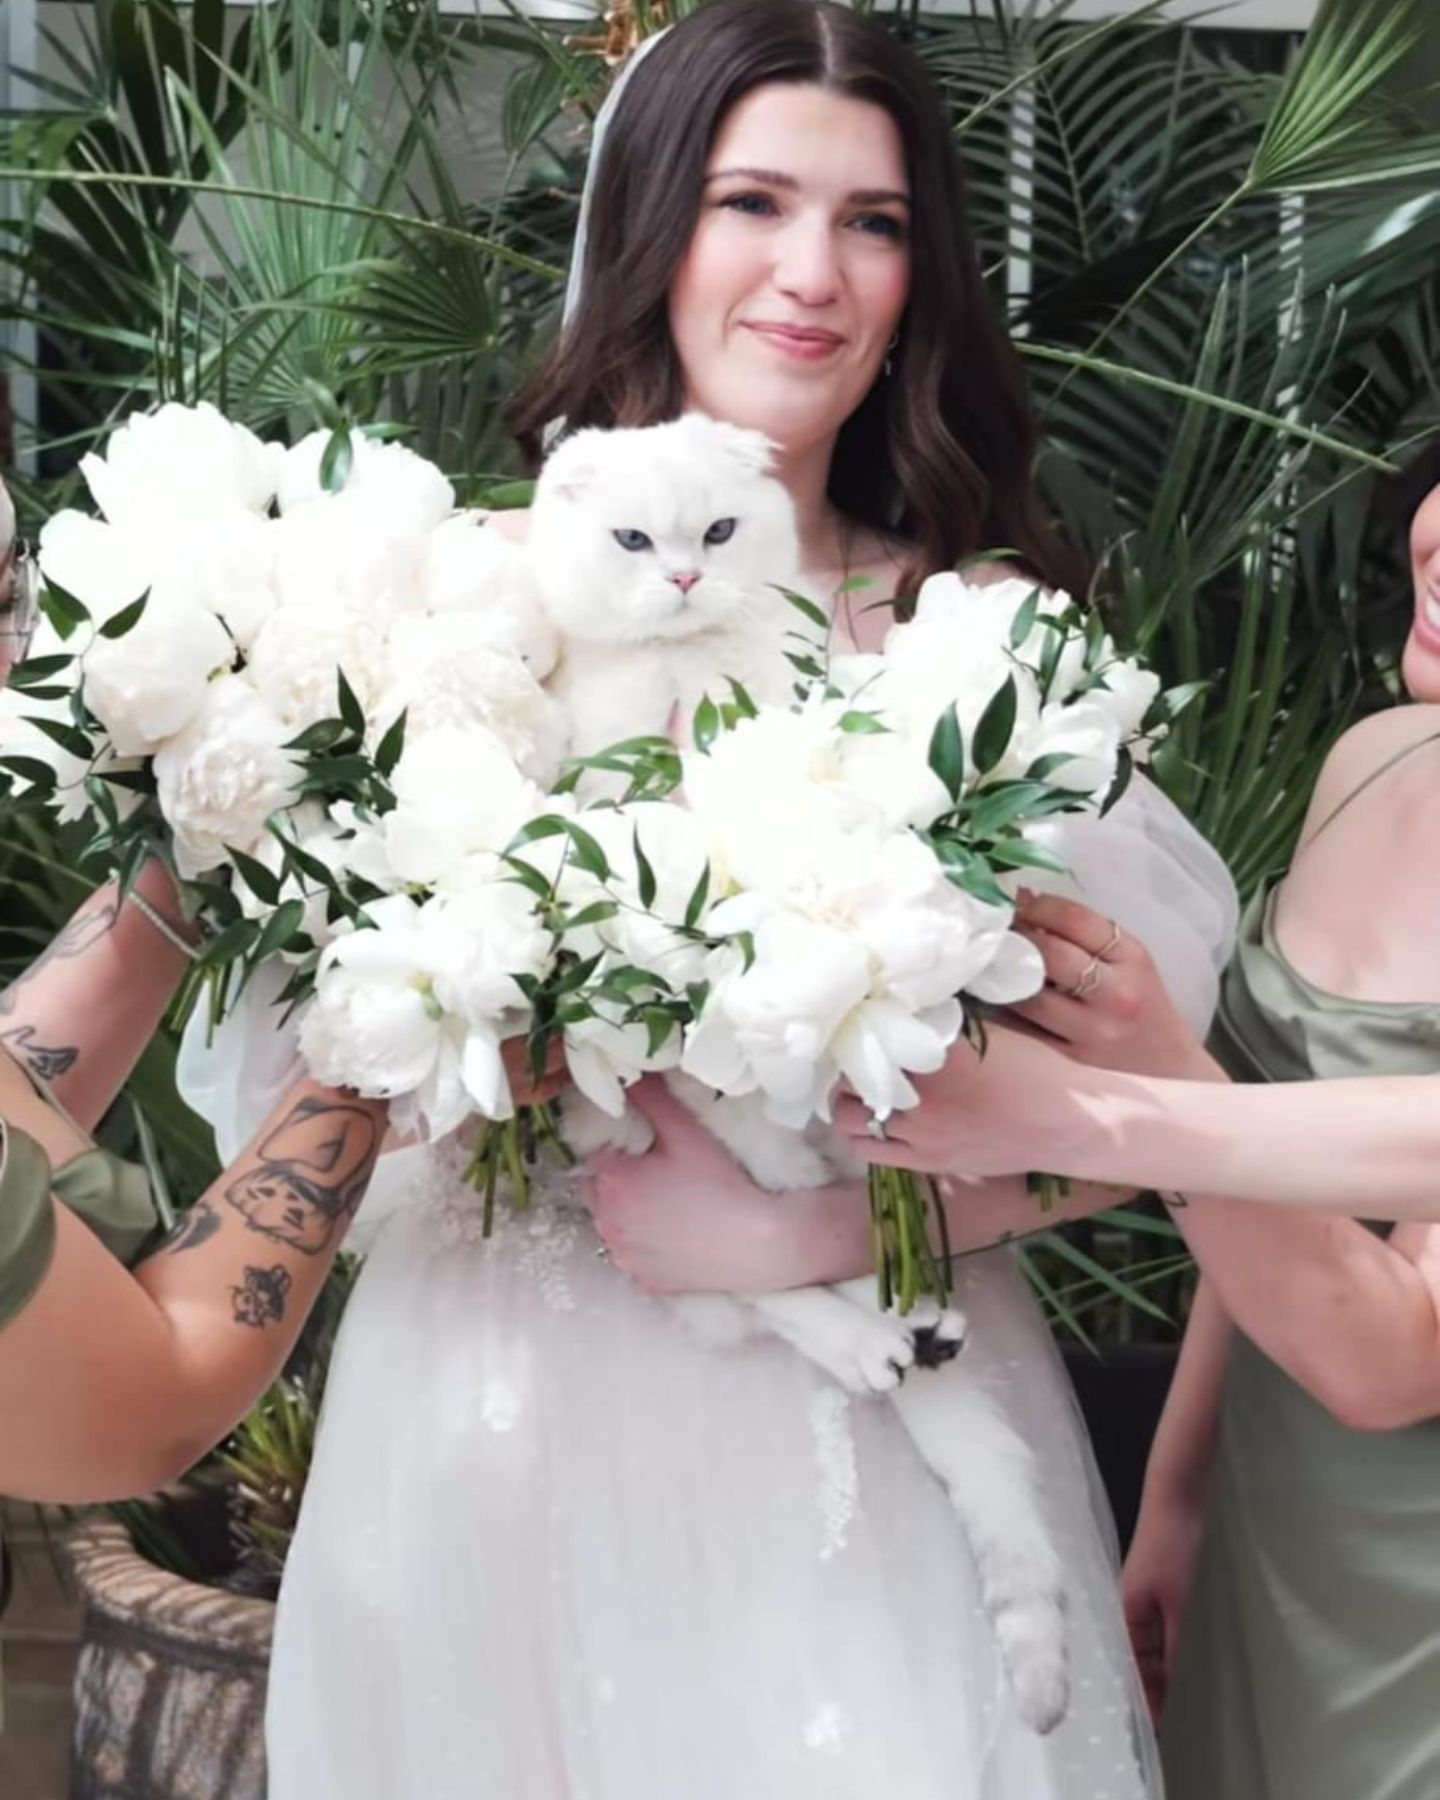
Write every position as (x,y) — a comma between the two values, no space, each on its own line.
(553,1548)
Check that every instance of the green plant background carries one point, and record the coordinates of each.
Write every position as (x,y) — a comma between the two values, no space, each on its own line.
(1230,323)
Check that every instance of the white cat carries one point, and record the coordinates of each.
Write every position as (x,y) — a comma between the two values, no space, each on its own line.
(655,552)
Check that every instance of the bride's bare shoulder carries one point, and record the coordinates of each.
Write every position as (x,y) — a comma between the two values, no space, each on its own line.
(512,522)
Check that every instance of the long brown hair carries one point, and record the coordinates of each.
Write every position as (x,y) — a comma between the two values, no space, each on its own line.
(940,452)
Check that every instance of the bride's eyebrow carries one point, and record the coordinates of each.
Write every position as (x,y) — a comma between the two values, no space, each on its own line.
(775,178)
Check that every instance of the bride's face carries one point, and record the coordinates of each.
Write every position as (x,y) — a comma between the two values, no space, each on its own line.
(1422,652)
(799,266)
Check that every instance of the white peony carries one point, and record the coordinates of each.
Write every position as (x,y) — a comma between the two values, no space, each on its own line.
(1129,691)
(152,682)
(460,799)
(375,1024)
(221,778)
(386,480)
(1086,733)
(473,568)
(348,557)
(646,936)
(446,671)
(319,835)
(296,659)
(20,736)
(178,463)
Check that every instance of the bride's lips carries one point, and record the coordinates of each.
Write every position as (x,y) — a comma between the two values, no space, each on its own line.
(1427,618)
(805,343)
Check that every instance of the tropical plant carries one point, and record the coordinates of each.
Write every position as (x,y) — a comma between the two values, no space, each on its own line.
(1217,254)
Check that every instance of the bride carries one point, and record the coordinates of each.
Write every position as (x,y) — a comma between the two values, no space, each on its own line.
(552,1548)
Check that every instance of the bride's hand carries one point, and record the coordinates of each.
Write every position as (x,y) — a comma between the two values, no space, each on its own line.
(524,1089)
(1104,1001)
(685,1218)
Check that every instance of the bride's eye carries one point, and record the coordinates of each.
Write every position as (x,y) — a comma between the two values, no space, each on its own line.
(720,532)
(755,206)
(632,540)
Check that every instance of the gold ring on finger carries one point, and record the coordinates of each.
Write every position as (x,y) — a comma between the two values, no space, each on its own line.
(1086,983)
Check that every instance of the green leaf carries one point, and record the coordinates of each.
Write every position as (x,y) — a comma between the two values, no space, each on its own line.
(996,727)
(262,882)
(863,724)
(1024,621)
(644,873)
(126,619)
(594,914)
(320,736)
(337,461)
(807,609)
(279,929)
(947,752)
(63,610)
(352,713)
(707,724)
(39,774)
(68,737)
(696,903)
(35,669)
(388,751)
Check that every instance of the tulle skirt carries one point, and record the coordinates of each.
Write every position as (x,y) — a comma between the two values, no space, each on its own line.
(554,1549)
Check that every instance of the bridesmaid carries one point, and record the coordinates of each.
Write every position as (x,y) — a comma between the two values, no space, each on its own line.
(1308,1666)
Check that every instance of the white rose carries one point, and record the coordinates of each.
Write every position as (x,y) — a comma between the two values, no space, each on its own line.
(384,478)
(222,777)
(297,656)
(473,568)
(174,464)
(447,671)
(375,1024)
(151,683)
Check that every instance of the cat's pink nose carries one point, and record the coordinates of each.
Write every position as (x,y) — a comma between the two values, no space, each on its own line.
(686,579)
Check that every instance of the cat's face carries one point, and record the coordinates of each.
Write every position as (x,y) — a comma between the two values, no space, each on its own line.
(662,533)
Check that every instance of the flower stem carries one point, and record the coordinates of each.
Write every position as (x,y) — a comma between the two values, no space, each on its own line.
(907,1268)
(513,1147)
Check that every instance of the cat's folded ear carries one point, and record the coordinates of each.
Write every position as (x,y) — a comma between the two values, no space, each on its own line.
(751,451)
(571,468)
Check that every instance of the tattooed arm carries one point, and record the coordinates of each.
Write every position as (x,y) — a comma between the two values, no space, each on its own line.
(83,1011)
(113,1381)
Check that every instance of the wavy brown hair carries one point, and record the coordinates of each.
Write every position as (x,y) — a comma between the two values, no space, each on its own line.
(940,453)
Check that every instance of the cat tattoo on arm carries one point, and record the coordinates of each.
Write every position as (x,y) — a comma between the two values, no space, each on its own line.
(308,1175)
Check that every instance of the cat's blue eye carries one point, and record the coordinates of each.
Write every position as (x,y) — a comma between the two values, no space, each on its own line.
(632,540)
(720,532)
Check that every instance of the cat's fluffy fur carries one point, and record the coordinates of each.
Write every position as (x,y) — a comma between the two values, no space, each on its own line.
(644,631)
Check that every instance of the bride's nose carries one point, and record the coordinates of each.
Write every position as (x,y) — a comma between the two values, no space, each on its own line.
(806,265)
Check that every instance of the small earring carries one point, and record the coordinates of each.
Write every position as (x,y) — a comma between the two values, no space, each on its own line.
(890,354)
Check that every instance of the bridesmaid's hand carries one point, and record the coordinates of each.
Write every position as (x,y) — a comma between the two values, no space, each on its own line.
(1104,1001)
(1023,1104)
(1155,1584)
(686,1218)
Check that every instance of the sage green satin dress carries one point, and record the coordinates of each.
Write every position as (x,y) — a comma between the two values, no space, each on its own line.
(1309,1659)
(109,1195)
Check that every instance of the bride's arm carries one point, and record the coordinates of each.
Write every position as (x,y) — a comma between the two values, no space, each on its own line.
(113,1381)
(84,1010)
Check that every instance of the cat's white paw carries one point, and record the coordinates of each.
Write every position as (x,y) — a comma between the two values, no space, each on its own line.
(587,1130)
(938,1331)
(866,1355)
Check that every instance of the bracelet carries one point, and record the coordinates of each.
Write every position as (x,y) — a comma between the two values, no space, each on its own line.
(162,925)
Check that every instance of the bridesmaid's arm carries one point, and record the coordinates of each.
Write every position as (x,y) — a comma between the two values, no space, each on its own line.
(82,1013)
(114,1381)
